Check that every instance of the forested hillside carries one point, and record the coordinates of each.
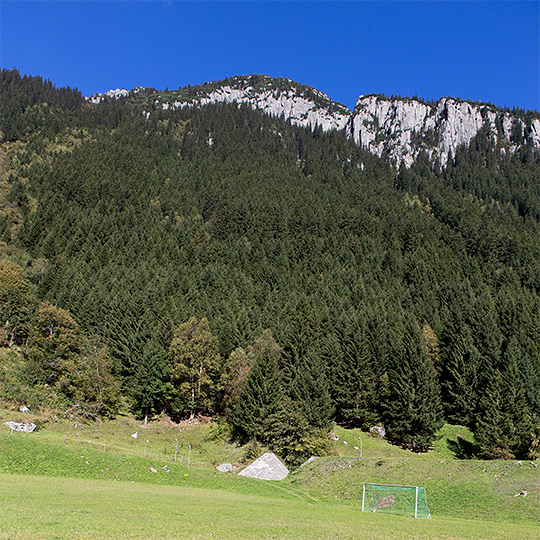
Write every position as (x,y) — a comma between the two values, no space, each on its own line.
(215,260)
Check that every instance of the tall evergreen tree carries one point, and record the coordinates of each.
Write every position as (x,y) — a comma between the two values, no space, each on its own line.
(148,386)
(287,433)
(309,390)
(354,379)
(461,364)
(260,399)
(494,425)
(412,410)
(504,427)
(521,434)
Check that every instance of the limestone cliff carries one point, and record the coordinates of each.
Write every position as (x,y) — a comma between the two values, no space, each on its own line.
(299,104)
(402,128)
(398,129)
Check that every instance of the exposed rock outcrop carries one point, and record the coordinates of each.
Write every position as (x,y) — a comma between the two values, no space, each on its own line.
(300,105)
(21,426)
(402,128)
(396,128)
(113,94)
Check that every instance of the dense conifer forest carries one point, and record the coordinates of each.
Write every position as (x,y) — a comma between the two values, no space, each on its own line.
(218,261)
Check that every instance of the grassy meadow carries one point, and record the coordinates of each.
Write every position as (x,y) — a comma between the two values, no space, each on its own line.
(73,480)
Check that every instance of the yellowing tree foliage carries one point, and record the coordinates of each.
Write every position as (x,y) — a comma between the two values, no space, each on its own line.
(54,339)
(194,364)
(16,303)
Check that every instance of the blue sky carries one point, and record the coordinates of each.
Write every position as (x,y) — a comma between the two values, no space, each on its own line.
(478,50)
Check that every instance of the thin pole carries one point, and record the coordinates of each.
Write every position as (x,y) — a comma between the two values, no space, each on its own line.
(360,446)
(363,495)
(416,503)
(176,451)
(189,456)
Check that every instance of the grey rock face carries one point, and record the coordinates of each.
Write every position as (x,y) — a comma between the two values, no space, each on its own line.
(402,128)
(379,431)
(398,129)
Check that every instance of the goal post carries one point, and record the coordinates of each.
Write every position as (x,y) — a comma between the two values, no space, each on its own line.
(394,499)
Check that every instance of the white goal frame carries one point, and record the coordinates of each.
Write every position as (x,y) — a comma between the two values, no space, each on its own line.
(371,503)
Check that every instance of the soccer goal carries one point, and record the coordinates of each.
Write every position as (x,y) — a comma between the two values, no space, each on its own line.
(389,499)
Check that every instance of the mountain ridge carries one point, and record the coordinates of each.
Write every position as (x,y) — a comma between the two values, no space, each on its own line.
(398,128)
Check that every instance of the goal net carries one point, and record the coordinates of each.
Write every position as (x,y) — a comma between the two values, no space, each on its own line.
(389,499)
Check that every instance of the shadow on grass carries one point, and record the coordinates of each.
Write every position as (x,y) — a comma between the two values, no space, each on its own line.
(462,448)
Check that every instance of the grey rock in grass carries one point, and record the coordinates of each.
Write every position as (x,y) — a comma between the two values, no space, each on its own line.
(225,467)
(267,467)
(19,426)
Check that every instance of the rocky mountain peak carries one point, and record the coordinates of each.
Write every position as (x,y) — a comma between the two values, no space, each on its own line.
(300,104)
(396,128)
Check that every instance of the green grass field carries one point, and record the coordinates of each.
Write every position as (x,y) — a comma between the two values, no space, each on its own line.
(67,508)
(67,482)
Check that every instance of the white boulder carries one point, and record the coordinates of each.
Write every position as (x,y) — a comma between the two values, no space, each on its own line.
(267,467)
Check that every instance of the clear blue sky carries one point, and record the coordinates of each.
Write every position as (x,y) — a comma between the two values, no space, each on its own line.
(478,50)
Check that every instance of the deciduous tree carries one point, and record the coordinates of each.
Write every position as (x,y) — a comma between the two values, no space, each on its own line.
(194,364)
(17,303)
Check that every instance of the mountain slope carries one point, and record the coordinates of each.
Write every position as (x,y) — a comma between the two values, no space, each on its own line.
(393,296)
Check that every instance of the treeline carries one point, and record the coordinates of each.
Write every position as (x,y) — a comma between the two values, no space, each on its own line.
(232,264)
(28,102)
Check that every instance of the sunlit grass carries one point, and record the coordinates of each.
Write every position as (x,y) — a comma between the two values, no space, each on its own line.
(64,508)
(105,477)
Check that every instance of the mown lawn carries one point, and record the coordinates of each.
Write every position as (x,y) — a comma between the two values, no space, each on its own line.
(35,507)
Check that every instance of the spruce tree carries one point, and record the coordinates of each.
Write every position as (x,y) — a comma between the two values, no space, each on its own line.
(288,434)
(493,425)
(354,380)
(412,410)
(148,386)
(310,391)
(521,427)
(461,363)
(261,397)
